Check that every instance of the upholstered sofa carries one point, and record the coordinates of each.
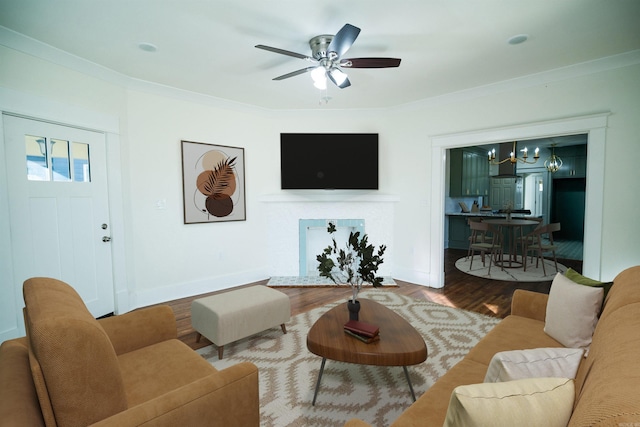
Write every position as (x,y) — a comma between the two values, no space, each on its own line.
(127,370)
(607,383)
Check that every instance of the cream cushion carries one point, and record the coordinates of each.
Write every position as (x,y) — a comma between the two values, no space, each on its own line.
(533,402)
(534,363)
(572,312)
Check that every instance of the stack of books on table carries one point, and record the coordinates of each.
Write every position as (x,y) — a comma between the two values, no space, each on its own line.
(365,332)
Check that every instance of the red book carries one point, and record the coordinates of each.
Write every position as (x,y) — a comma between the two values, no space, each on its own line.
(362,338)
(362,328)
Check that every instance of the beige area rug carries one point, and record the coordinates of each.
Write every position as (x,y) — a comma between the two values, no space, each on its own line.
(533,273)
(378,395)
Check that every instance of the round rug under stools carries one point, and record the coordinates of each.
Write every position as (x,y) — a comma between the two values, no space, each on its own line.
(533,273)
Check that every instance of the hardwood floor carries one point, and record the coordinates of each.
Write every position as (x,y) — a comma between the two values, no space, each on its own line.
(490,297)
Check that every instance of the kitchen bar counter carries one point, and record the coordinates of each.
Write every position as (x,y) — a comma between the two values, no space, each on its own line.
(481,213)
(492,214)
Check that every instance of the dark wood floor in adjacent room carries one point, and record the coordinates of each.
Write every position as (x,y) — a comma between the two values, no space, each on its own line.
(490,297)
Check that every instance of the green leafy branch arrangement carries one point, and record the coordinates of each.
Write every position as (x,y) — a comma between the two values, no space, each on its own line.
(354,265)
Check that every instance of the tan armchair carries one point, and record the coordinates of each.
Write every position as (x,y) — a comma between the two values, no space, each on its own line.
(124,370)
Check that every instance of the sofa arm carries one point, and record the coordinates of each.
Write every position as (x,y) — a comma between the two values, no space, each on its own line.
(140,328)
(19,404)
(227,398)
(532,305)
(356,423)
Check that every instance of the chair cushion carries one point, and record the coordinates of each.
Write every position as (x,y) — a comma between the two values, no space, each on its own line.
(160,368)
(572,312)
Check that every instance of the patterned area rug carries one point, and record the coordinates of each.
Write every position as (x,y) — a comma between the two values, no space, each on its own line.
(533,273)
(378,395)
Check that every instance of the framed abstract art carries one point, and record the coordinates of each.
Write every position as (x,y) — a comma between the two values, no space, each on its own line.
(212,183)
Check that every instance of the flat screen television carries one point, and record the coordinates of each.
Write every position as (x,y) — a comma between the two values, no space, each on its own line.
(336,161)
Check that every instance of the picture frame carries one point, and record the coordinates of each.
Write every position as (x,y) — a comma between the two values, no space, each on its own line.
(213,183)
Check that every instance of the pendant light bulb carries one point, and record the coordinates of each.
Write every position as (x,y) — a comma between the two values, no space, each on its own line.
(319,77)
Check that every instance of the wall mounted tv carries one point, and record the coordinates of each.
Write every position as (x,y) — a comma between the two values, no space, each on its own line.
(336,161)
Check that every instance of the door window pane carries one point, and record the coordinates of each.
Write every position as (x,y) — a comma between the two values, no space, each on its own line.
(60,160)
(57,160)
(80,155)
(36,153)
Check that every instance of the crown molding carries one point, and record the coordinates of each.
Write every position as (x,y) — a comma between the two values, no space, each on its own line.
(20,42)
(30,46)
(599,65)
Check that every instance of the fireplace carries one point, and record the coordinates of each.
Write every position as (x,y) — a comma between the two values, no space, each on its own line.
(364,212)
(313,238)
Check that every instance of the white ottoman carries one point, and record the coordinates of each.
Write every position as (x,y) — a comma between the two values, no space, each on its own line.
(230,316)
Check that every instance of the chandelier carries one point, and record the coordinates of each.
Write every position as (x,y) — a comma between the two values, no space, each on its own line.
(512,156)
(554,162)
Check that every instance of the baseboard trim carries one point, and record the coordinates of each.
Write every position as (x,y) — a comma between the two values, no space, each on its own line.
(422,278)
(197,287)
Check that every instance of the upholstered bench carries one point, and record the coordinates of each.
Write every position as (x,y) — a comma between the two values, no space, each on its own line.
(237,314)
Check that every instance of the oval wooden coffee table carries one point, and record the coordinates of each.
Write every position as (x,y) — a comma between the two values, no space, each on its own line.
(399,345)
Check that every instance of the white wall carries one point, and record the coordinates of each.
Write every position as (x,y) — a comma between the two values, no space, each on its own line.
(165,259)
(169,255)
(614,91)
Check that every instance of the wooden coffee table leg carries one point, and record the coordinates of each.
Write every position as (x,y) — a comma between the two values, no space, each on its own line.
(406,374)
(324,360)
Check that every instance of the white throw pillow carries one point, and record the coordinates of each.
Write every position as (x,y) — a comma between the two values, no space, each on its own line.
(534,363)
(534,402)
(572,312)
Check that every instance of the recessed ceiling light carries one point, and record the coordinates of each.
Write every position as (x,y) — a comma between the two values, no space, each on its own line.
(147,47)
(517,39)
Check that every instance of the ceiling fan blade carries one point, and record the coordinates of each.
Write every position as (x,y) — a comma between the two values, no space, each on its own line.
(339,78)
(284,52)
(343,40)
(294,73)
(370,62)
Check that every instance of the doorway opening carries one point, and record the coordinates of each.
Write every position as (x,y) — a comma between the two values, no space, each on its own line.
(528,187)
(594,126)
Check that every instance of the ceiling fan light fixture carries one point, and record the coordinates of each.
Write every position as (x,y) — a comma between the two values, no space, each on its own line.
(319,77)
(326,53)
(321,84)
(338,76)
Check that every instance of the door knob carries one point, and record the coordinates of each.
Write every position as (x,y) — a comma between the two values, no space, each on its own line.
(106,239)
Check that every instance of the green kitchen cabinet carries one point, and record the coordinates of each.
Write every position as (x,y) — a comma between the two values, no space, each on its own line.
(469,173)
(574,162)
(459,232)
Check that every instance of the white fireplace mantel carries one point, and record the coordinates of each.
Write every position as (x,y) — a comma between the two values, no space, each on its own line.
(286,209)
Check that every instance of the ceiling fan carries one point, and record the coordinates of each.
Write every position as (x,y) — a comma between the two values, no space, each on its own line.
(326,55)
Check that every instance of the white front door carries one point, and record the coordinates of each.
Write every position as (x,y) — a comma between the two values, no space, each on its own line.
(59,208)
